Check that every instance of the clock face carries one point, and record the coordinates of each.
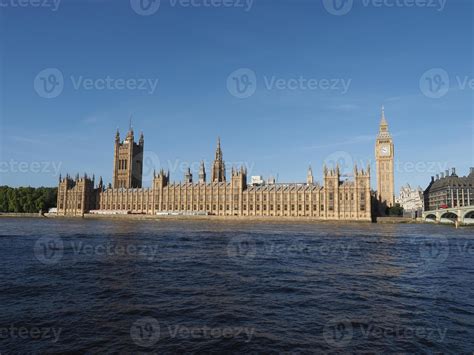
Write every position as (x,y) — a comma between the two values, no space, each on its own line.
(385,150)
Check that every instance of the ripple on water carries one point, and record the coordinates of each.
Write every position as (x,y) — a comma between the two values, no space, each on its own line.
(294,287)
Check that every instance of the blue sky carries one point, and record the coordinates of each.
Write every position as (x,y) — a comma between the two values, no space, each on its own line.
(320,79)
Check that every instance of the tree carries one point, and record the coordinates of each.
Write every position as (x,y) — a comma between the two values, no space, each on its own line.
(395,211)
(27,199)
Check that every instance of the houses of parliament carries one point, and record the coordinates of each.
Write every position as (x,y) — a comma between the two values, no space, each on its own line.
(228,195)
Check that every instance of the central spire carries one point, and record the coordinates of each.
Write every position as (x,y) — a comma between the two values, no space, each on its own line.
(218,167)
(130,133)
(218,149)
(383,130)
(383,120)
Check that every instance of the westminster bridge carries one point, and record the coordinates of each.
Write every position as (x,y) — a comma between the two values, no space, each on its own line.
(462,215)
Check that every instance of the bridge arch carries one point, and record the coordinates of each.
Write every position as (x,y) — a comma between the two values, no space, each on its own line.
(450,215)
(469,214)
(431,217)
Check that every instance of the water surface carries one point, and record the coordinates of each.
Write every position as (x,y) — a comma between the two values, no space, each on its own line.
(167,286)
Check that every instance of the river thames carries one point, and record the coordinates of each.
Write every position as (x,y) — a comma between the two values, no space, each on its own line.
(195,286)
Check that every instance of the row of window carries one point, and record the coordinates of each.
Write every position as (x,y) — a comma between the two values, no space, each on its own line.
(342,196)
(172,207)
(122,164)
(346,196)
(122,184)
(69,205)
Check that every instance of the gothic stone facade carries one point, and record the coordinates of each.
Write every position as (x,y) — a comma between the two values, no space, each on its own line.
(128,161)
(77,196)
(384,154)
(335,199)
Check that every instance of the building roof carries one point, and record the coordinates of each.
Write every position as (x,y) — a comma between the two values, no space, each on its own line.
(452,181)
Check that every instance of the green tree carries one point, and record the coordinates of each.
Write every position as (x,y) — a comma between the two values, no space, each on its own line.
(27,199)
(395,211)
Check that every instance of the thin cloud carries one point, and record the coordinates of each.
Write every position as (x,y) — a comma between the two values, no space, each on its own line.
(345,107)
(26,140)
(95,118)
(351,141)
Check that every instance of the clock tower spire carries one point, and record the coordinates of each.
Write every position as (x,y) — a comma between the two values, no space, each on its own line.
(384,157)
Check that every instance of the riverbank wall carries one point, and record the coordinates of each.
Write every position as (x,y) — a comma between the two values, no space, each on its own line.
(22,215)
(194,218)
(280,219)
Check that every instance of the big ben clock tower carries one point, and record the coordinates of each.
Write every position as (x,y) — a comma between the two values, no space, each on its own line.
(384,155)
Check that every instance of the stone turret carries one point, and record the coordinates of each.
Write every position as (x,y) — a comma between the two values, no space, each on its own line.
(128,161)
(188,176)
(77,196)
(161,180)
(218,167)
(202,173)
(309,176)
